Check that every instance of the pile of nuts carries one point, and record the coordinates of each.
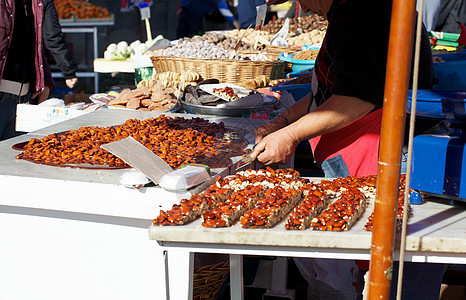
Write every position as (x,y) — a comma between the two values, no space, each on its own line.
(176,140)
(308,38)
(307,54)
(294,40)
(202,46)
(304,24)
(303,31)
(197,49)
(224,41)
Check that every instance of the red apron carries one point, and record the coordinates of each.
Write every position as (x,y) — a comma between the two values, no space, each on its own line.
(357,143)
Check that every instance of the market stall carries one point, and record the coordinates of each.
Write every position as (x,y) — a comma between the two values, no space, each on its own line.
(90,236)
(212,50)
(77,232)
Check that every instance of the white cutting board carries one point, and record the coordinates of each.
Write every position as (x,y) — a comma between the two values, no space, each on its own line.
(139,157)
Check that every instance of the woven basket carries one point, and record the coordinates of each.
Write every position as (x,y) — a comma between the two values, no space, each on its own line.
(272,52)
(208,280)
(225,70)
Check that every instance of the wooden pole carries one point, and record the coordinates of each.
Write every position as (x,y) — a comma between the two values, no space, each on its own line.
(391,143)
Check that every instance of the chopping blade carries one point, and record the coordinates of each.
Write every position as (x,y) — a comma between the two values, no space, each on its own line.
(246,159)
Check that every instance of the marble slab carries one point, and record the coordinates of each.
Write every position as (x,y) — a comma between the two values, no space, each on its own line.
(103,117)
(434,227)
(34,186)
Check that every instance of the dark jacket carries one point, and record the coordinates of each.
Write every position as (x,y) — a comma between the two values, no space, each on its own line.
(55,42)
(43,75)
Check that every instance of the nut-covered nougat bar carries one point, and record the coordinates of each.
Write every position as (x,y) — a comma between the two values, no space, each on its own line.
(342,213)
(271,208)
(229,211)
(190,209)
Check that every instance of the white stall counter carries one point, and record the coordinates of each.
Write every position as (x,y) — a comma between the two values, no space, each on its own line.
(69,233)
(436,233)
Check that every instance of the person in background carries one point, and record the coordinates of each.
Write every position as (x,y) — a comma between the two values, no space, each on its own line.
(430,13)
(451,12)
(192,14)
(224,9)
(24,72)
(55,43)
(341,118)
(247,12)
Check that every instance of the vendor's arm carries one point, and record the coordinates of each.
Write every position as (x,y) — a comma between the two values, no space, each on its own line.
(290,115)
(335,113)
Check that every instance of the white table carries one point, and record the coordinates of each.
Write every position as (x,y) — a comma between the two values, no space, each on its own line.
(76,233)
(436,234)
(128,65)
(102,65)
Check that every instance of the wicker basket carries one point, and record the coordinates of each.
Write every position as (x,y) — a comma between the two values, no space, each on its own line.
(208,280)
(225,70)
(272,52)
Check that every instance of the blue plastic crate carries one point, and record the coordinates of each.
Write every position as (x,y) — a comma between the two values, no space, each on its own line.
(452,56)
(297,64)
(298,91)
(300,64)
(439,165)
(451,74)
(439,104)
(299,73)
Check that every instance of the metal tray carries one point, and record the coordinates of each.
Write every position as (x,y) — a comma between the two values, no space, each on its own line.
(266,107)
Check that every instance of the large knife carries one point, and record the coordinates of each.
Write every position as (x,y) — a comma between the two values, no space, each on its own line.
(246,159)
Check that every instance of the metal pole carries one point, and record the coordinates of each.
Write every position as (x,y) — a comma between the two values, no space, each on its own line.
(96,54)
(391,143)
(236,277)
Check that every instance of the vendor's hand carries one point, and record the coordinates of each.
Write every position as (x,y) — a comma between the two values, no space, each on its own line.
(269,127)
(71,82)
(43,95)
(275,148)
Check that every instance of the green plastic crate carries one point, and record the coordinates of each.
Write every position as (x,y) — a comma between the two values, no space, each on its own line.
(444,38)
